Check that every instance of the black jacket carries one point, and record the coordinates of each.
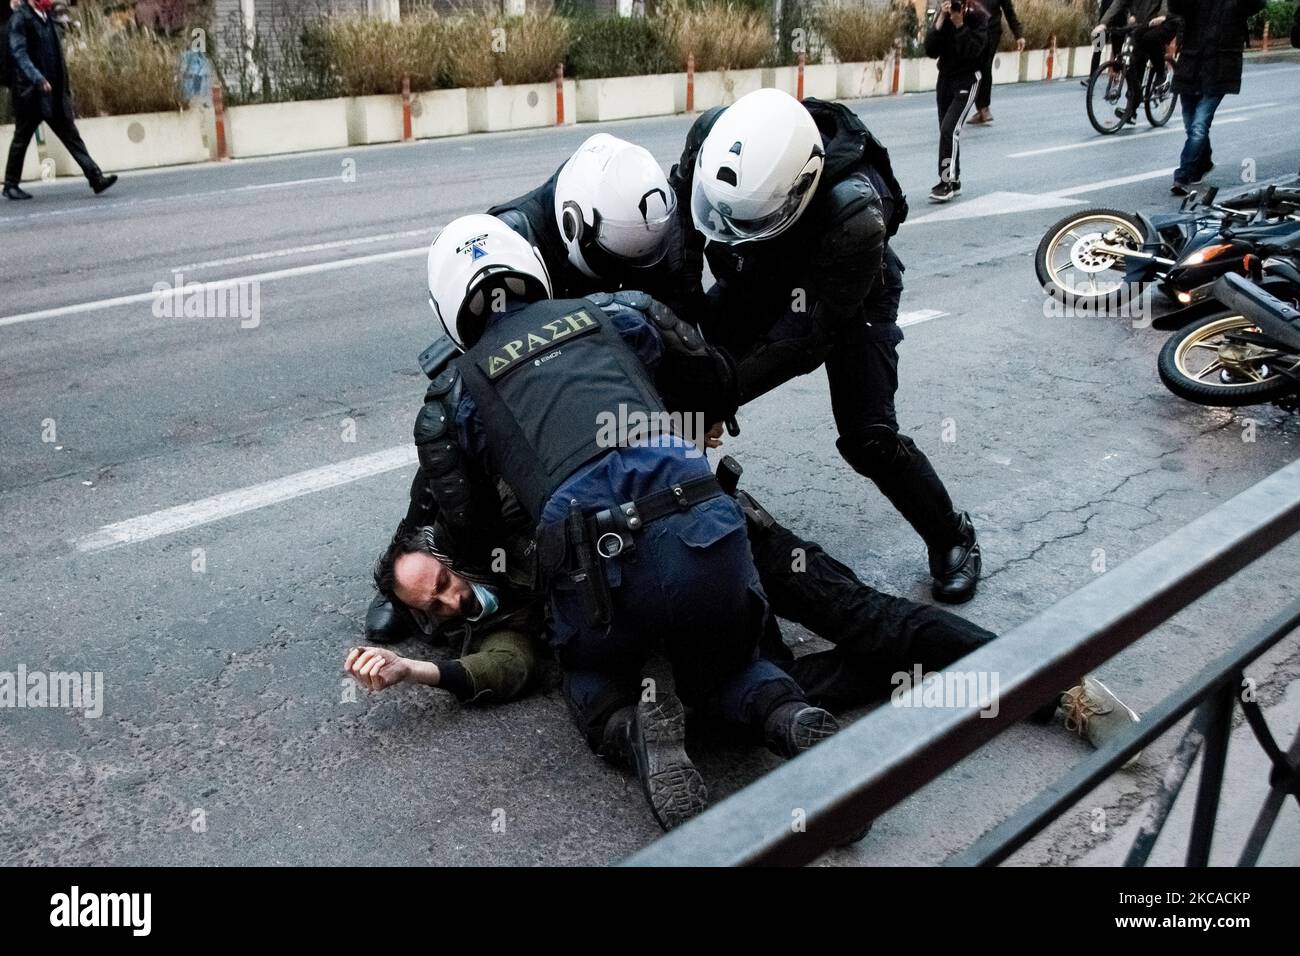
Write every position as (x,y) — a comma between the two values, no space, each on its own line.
(960,52)
(779,303)
(996,8)
(1143,11)
(1214,35)
(37,55)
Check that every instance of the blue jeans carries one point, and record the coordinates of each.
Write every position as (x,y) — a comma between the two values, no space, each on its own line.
(1198,114)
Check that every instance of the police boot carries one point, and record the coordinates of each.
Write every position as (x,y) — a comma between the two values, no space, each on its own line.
(387,622)
(796,726)
(956,568)
(652,738)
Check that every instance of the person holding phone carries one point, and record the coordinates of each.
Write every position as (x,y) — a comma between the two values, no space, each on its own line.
(956,38)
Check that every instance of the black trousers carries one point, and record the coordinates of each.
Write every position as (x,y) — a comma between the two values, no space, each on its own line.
(26,120)
(863,374)
(984,95)
(955,96)
(1148,47)
(876,635)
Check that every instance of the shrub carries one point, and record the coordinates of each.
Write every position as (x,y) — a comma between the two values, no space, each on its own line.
(127,71)
(618,46)
(1068,20)
(287,60)
(723,36)
(857,33)
(370,55)
(482,49)
(1279,14)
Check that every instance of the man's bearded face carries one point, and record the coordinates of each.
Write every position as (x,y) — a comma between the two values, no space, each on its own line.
(423,582)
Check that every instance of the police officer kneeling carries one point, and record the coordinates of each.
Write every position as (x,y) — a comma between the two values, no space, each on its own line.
(638,545)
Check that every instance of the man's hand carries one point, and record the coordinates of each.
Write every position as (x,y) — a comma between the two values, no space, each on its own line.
(46,88)
(713,437)
(1020,44)
(376,668)
(945,9)
(1156,21)
(1098,31)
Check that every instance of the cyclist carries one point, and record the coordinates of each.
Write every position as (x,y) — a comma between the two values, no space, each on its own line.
(1152,30)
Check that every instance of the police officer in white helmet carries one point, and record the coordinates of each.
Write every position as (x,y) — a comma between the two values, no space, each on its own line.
(793,205)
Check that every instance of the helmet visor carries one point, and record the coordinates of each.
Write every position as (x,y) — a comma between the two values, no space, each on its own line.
(632,243)
(718,221)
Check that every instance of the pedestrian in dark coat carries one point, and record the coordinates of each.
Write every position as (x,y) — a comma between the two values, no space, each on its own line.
(41,93)
(1209,68)
(984,93)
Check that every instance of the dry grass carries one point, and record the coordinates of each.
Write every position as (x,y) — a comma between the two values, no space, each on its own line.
(132,71)
(371,55)
(722,36)
(856,33)
(484,48)
(1068,20)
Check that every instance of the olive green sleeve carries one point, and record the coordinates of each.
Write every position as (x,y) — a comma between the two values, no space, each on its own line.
(500,668)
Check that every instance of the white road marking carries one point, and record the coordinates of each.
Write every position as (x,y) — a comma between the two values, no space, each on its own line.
(993,204)
(289,273)
(154,200)
(303,250)
(917,316)
(242,500)
(1124,138)
(1109,183)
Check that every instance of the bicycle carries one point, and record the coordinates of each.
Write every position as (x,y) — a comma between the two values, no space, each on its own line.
(1108,90)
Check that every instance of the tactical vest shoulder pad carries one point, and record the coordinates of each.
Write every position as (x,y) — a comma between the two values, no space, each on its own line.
(600,299)
(634,300)
(850,197)
(435,358)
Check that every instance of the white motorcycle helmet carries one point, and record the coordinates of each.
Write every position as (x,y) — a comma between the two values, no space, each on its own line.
(613,206)
(757,169)
(470,259)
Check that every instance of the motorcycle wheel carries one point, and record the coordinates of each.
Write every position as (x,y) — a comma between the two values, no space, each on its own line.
(1192,365)
(1160,98)
(1070,271)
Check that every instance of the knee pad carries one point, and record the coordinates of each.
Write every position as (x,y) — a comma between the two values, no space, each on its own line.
(876,450)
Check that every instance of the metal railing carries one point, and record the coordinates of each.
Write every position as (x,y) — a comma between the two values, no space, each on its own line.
(880,760)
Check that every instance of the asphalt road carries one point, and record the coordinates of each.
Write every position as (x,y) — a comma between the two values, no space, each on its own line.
(229,735)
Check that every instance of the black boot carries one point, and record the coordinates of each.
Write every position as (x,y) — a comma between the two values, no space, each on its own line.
(388,622)
(956,568)
(796,726)
(102,182)
(652,738)
(13,191)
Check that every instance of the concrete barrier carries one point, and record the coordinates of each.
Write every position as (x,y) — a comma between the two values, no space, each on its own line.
(1081,61)
(264,129)
(920,74)
(496,108)
(716,88)
(819,80)
(434,113)
(1006,67)
(624,97)
(1033,66)
(856,80)
(32,159)
(134,141)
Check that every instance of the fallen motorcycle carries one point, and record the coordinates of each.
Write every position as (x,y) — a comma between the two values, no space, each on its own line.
(1248,354)
(1107,256)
